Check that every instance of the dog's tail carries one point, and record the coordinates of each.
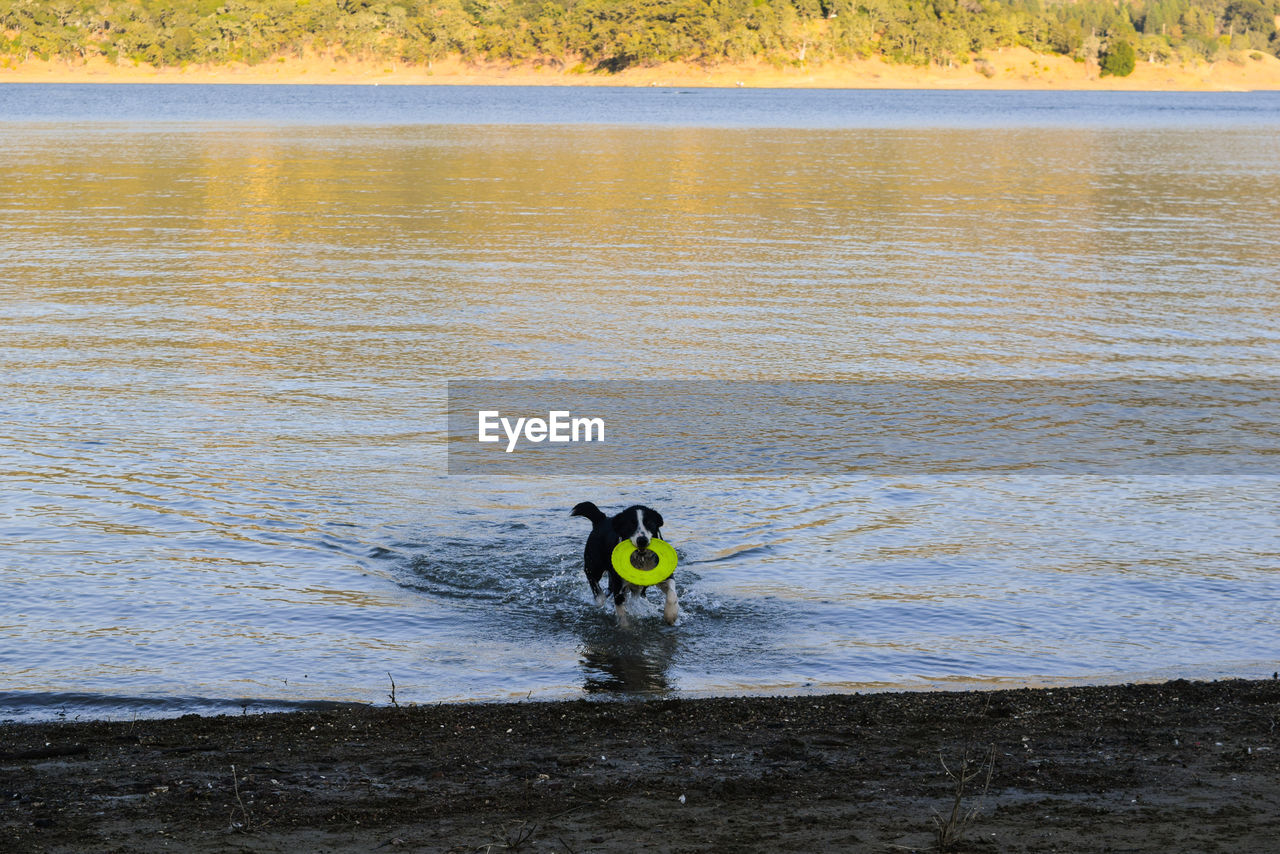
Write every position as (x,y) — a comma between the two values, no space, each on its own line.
(592,512)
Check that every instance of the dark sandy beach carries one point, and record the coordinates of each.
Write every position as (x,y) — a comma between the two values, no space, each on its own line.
(1181,766)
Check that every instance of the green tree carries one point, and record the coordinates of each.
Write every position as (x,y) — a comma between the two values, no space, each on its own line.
(1118,60)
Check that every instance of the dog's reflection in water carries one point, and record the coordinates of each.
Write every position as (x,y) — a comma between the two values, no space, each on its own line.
(634,663)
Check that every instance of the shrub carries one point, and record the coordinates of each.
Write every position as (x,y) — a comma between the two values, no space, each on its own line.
(1118,60)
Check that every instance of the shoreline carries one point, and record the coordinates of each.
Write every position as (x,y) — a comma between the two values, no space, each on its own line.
(1009,69)
(1151,767)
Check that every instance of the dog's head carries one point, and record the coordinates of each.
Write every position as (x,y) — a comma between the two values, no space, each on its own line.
(639,525)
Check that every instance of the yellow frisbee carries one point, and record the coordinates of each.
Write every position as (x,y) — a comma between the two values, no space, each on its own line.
(622,564)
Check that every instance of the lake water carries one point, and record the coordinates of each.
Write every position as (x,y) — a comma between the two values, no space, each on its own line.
(229,316)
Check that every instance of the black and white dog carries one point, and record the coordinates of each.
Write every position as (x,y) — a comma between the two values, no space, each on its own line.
(638,524)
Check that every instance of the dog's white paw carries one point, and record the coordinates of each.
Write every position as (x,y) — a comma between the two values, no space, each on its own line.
(671,606)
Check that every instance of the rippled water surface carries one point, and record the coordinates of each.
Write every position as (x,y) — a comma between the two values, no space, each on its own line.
(228,316)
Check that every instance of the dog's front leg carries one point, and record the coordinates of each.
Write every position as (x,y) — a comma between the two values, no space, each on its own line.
(672,608)
(619,609)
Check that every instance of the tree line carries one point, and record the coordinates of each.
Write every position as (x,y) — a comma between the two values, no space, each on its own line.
(611,35)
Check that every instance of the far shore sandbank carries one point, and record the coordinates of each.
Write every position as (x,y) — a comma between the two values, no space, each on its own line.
(1013,68)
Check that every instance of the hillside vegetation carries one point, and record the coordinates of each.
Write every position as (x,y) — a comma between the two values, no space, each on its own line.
(615,34)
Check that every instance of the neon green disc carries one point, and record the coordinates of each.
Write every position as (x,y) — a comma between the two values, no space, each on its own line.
(644,577)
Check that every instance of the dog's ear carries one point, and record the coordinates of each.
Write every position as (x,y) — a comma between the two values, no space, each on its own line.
(655,519)
(624,524)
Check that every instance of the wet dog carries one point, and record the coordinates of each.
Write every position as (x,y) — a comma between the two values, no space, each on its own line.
(638,524)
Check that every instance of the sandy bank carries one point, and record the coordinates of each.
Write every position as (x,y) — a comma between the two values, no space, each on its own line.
(1142,768)
(1010,69)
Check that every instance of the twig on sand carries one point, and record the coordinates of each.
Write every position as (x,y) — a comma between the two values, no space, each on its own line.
(514,839)
(247,823)
(392,695)
(951,830)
